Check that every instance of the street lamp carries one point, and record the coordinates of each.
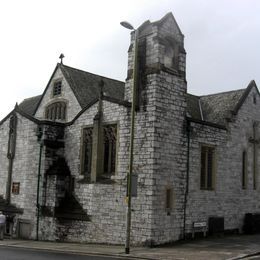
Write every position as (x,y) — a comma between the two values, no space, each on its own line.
(40,140)
(129,174)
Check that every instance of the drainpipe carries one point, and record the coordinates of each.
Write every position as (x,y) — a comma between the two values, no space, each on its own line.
(9,179)
(187,177)
(11,155)
(39,136)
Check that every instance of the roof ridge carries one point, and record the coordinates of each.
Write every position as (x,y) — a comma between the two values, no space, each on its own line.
(225,92)
(32,97)
(80,70)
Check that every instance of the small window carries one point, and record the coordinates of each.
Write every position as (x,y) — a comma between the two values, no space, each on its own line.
(57,88)
(254,99)
(207,172)
(244,170)
(16,188)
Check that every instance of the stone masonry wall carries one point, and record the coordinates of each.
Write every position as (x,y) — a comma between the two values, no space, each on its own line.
(161,122)
(166,106)
(25,166)
(105,203)
(4,136)
(228,199)
(169,158)
(204,203)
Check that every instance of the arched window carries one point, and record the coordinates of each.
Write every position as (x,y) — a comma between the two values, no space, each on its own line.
(56,111)
(110,135)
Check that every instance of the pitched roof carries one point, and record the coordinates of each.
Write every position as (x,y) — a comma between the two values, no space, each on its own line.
(215,108)
(218,107)
(29,105)
(85,85)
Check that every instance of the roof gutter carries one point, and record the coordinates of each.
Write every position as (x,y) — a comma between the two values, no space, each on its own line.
(201,122)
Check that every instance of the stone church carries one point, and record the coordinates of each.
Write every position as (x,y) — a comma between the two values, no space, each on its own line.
(64,154)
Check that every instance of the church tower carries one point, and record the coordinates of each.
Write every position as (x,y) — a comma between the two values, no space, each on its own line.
(159,152)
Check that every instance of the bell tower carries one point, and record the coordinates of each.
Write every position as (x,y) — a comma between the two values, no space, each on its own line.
(160,123)
(160,49)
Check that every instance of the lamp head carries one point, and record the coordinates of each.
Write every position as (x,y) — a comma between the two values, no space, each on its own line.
(127,25)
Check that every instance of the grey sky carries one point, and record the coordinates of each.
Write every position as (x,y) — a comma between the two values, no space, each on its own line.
(222,39)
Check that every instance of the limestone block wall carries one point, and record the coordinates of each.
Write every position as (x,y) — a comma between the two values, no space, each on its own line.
(105,203)
(161,121)
(228,199)
(152,56)
(4,135)
(169,157)
(204,203)
(25,169)
(67,95)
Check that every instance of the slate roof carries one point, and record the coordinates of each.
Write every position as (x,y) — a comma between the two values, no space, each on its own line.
(29,105)
(215,108)
(85,86)
(219,107)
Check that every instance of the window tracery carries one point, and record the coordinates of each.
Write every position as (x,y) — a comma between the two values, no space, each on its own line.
(56,111)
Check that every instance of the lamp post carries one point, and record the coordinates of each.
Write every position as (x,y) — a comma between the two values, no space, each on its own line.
(39,138)
(129,174)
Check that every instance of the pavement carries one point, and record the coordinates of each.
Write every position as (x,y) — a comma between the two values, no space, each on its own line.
(226,247)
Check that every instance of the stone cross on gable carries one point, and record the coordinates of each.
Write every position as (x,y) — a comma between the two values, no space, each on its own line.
(61,58)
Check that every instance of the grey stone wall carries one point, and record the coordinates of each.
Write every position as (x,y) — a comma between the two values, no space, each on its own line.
(160,150)
(105,203)
(228,199)
(169,157)
(25,168)
(4,135)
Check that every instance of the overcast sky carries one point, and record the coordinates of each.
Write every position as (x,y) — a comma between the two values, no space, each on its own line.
(222,41)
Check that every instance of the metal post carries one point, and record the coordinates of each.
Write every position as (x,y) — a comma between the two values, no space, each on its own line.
(188,130)
(39,136)
(38,192)
(129,175)
(255,156)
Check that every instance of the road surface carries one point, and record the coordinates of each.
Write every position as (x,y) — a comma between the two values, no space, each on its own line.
(12,253)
